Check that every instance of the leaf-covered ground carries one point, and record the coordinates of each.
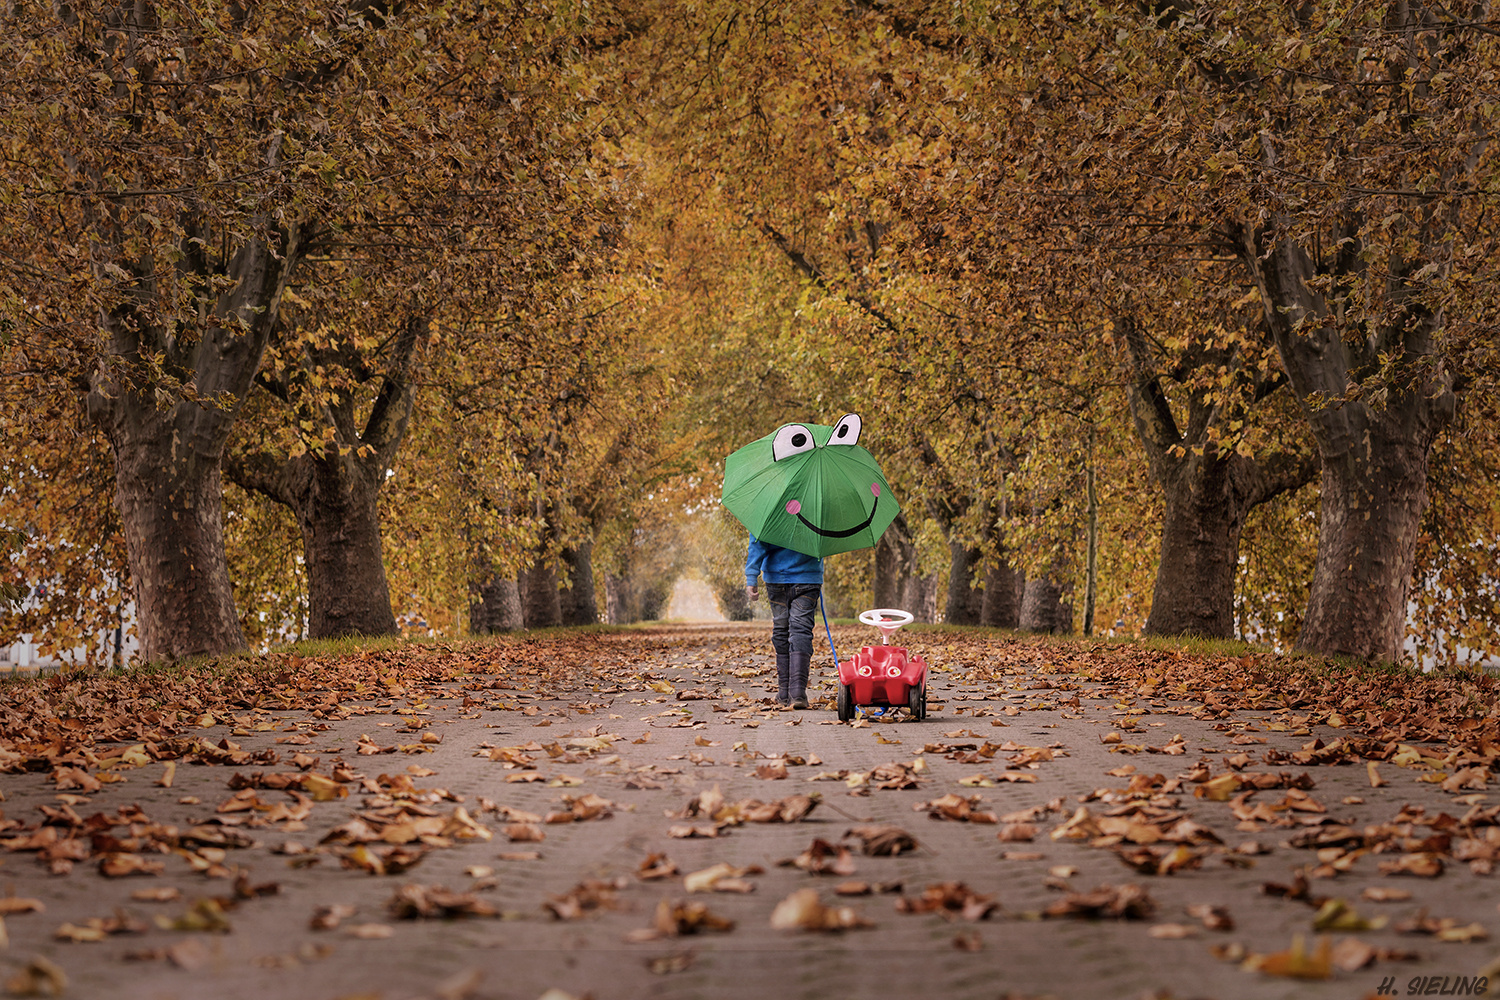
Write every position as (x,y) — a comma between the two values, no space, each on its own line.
(624,814)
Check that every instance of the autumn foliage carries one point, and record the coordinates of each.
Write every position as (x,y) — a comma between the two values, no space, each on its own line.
(441,319)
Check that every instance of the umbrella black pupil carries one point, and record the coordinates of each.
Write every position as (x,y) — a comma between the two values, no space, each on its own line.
(798,440)
(843,431)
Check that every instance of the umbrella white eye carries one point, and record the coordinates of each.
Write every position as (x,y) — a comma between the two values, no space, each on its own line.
(846,431)
(793,439)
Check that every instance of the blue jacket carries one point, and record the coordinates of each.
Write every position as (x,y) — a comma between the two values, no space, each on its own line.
(780,565)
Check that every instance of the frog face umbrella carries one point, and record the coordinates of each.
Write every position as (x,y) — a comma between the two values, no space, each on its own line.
(810,488)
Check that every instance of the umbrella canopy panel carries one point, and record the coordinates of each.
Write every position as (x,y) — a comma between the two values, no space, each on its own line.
(810,488)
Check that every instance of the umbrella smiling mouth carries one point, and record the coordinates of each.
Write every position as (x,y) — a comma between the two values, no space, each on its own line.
(796,508)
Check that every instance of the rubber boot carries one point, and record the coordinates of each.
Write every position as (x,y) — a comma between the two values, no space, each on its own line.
(797,669)
(783,680)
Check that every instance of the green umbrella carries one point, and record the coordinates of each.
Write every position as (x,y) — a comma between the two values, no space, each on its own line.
(810,488)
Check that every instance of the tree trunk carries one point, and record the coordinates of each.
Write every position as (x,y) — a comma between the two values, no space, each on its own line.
(167,460)
(542,608)
(1208,499)
(896,569)
(1209,490)
(1374,456)
(334,491)
(1200,544)
(964,601)
(576,603)
(733,604)
(496,606)
(1091,551)
(888,572)
(1003,585)
(341,543)
(654,600)
(618,599)
(173,521)
(1372,505)
(919,596)
(335,500)
(1043,608)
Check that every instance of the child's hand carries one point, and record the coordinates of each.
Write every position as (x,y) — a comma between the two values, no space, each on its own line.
(752,595)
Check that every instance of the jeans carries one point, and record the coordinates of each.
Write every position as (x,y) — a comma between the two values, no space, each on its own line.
(792,608)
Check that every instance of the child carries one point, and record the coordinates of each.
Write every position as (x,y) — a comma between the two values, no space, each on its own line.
(793,583)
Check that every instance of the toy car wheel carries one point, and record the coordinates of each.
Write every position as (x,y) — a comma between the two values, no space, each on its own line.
(916,700)
(845,703)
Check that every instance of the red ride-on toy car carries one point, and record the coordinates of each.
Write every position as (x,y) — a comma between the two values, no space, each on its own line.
(884,675)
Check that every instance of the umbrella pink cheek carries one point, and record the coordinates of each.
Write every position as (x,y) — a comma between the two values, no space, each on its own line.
(793,507)
(875,488)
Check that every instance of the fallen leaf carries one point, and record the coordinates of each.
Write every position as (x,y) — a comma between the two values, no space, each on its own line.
(968,941)
(1214,918)
(1422,865)
(119,864)
(1124,902)
(677,918)
(957,808)
(413,902)
(584,898)
(1380,894)
(668,964)
(1337,915)
(823,858)
(1351,955)
(1443,929)
(722,877)
(371,932)
(803,911)
(1297,962)
(883,840)
(951,900)
(328,917)
(1172,932)
(20,904)
(656,866)
(203,915)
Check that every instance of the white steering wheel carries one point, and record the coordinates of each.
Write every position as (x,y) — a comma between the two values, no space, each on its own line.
(888,620)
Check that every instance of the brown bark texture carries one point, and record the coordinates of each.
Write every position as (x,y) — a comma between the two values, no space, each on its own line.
(1043,608)
(496,606)
(899,582)
(173,523)
(540,607)
(335,500)
(1374,454)
(1003,586)
(334,491)
(167,458)
(1208,492)
(576,602)
(964,601)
